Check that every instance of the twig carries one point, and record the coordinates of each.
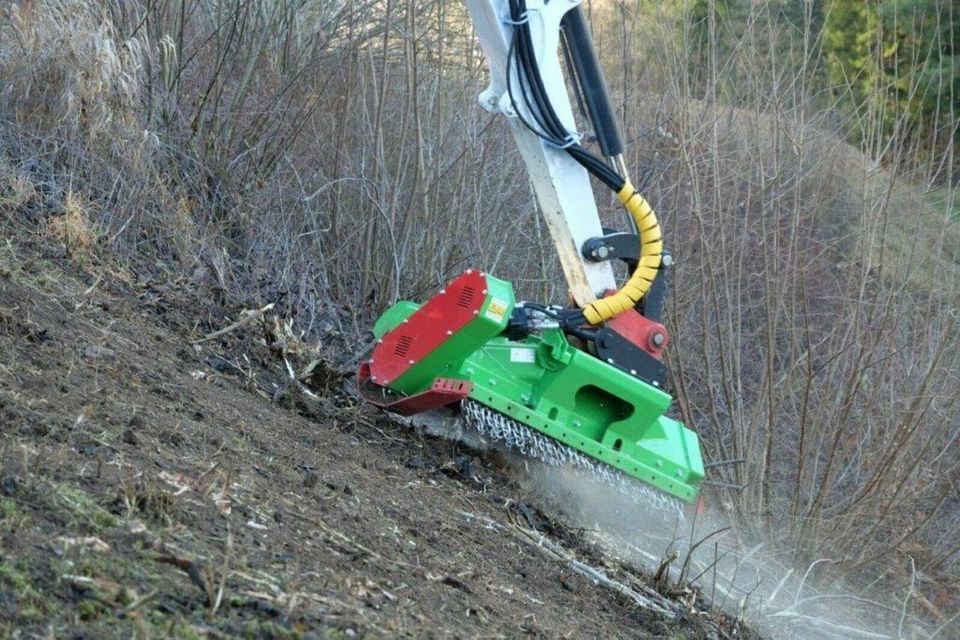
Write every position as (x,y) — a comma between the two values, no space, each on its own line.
(725,485)
(806,575)
(139,602)
(723,463)
(556,552)
(347,541)
(224,572)
(839,596)
(693,548)
(248,317)
(832,627)
(87,292)
(779,586)
(906,600)
(712,565)
(945,625)
(362,353)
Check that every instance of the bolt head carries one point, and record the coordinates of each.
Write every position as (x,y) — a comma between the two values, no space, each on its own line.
(633,372)
(602,252)
(609,360)
(412,362)
(658,339)
(666,260)
(449,333)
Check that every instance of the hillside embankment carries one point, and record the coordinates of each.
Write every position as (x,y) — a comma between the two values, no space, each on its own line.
(163,476)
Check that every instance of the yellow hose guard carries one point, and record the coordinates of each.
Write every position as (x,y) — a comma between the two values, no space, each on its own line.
(651,248)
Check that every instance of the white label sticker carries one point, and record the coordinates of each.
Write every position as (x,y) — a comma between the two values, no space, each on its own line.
(496,310)
(523,355)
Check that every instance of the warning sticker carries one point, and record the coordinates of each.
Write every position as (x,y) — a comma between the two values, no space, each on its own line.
(496,310)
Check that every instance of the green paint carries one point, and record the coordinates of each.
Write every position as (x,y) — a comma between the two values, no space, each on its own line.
(547,384)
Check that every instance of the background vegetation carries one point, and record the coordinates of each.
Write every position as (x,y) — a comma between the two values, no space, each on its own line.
(328,156)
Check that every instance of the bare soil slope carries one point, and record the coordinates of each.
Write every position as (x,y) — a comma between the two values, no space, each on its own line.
(160,488)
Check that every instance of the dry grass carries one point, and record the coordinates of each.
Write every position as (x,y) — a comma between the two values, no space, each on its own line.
(329,157)
(16,188)
(72,228)
(75,72)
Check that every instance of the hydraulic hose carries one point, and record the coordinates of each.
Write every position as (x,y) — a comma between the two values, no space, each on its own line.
(591,84)
(651,248)
(546,124)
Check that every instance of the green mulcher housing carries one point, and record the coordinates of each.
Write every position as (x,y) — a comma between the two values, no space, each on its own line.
(540,380)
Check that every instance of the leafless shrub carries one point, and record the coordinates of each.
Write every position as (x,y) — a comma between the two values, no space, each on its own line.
(328,156)
(816,299)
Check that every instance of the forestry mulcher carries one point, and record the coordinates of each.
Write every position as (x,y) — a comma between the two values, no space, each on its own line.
(581,386)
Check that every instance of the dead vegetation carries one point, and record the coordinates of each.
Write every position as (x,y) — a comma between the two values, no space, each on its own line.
(150,491)
(326,158)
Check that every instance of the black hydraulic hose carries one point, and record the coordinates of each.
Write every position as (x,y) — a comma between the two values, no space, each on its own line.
(542,110)
(597,167)
(528,59)
(513,60)
(553,131)
(572,70)
(591,82)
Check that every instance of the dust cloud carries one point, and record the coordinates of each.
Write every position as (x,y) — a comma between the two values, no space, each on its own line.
(751,579)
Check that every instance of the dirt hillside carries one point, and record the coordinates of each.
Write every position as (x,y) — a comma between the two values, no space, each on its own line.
(156,486)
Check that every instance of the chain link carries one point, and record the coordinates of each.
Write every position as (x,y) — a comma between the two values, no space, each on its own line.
(528,442)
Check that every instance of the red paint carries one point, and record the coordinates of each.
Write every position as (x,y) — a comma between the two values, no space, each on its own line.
(640,331)
(440,317)
(444,391)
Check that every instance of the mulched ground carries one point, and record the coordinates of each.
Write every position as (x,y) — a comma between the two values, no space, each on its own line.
(152,486)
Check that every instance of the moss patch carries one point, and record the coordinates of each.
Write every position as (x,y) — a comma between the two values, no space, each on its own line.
(84,508)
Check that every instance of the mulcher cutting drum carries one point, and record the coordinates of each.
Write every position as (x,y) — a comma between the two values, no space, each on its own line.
(539,393)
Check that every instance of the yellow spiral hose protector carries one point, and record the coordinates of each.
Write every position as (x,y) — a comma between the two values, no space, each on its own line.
(651,246)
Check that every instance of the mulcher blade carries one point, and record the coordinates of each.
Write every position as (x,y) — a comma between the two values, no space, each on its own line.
(528,442)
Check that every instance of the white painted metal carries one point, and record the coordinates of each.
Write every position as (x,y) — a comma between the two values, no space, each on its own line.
(562,186)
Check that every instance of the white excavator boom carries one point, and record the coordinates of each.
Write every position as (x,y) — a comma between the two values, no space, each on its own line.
(562,186)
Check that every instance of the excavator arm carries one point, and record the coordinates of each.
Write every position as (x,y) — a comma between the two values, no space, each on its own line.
(561,184)
(522,40)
